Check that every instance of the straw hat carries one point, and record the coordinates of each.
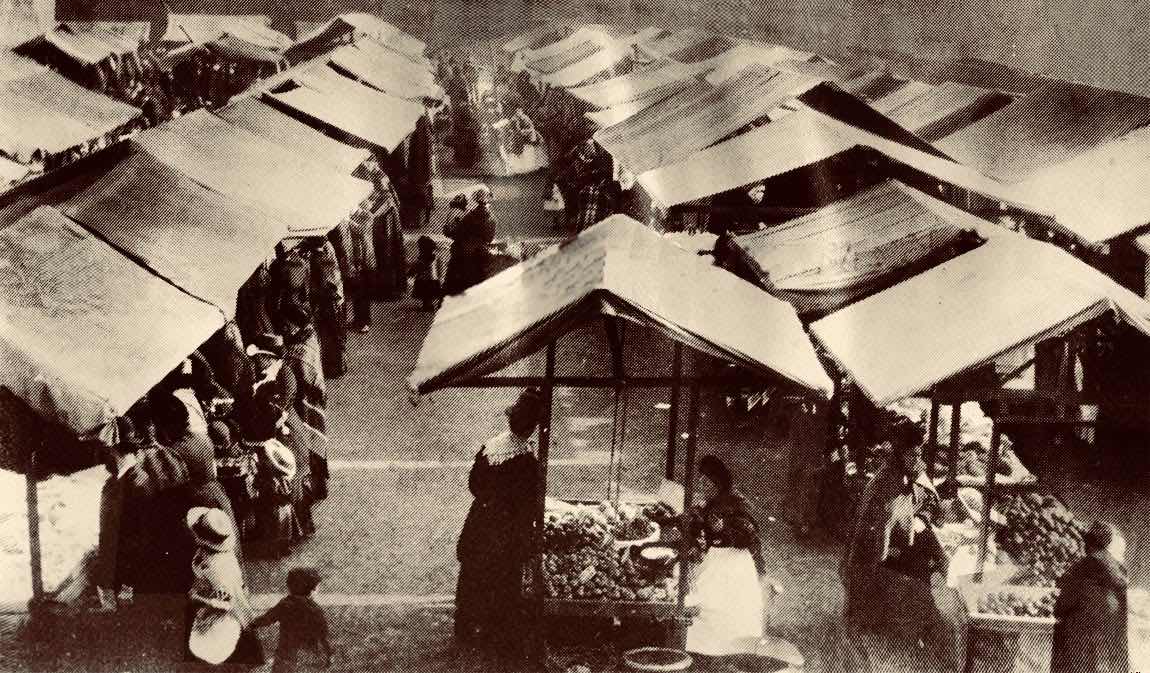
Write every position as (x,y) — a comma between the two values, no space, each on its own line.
(280,458)
(212,528)
(214,635)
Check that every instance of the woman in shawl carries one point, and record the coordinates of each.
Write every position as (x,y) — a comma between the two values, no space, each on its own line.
(331,327)
(305,401)
(496,540)
(421,172)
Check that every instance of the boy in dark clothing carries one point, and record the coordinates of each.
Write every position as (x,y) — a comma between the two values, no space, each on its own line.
(303,643)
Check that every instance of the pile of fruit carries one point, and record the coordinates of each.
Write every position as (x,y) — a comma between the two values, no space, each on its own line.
(581,559)
(602,574)
(1006,602)
(1042,536)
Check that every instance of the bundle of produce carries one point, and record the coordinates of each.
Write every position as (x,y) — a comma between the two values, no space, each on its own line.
(602,574)
(1042,536)
(577,528)
(1007,602)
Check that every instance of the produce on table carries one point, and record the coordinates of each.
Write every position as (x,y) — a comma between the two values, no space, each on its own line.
(581,562)
(1042,536)
(1007,602)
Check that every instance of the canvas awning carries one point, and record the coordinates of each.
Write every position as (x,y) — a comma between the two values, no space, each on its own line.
(238,49)
(259,35)
(1045,128)
(606,58)
(26,126)
(730,63)
(372,116)
(89,46)
(796,140)
(917,106)
(417,71)
(86,331)
(577,37)
(203,28)
(677,41)
(12,172)
(617,267)
(618,113)
(535,38)
(204,242)
(1095,197)
(382,75)
(548,65)
(270,124)
(308,196)
(699,117)
(702,51)
(849,244)
(1011,292)
(632,86)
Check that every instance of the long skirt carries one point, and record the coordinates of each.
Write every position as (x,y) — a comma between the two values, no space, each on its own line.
(730,603)
(332,333)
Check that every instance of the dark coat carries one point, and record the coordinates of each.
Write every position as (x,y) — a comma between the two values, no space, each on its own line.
(470,256)
(1090,636)
(494,546)
(739,529)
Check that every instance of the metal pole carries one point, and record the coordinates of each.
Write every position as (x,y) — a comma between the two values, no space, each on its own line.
(540,587)
(988,496)
(932,438)
(955,438)
(673,418)
(32,492)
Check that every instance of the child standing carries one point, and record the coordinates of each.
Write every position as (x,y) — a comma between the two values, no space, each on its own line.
(428,273)
(303,643)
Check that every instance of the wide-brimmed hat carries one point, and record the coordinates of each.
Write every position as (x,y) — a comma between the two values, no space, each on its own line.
(280,458)
(214,636)
(212,528)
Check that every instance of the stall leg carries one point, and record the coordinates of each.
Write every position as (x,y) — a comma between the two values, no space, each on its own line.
(955,438)
(32,494)
(673,415)
(988,497)
(679,632)
(538,646)
(932,439)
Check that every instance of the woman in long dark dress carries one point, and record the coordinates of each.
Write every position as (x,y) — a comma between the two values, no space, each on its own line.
(496,540)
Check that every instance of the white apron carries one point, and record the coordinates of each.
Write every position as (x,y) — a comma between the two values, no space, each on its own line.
(730,603)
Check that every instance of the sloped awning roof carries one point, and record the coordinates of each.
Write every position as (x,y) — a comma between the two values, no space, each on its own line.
(699,117)
(632,86)
(87,332)
(11,172)
(26,126)
(575,38)
(203,28)
(623,268)
(796,140)
(1045,128)
(536,38)
(308,196)
(265,121)
(605,58)
(239,49)
(965,313)
(916,105)
(96,111)
(89,46)
(587,47)
(383,74)
(204,242)
(849,242)
(417,71)
(678,41)
(372,116)
(617,114)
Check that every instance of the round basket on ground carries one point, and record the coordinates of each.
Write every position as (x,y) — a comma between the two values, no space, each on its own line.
(752,663)
(657,659)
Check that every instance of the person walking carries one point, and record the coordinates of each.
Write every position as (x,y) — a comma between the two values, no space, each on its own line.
(496,540)
(421,172)
(1090,633)
(304,642)
(327,307)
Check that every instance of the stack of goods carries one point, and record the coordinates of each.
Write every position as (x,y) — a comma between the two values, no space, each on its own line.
(586,555)
(1042,536)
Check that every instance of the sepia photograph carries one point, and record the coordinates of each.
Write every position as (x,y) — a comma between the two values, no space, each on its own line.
(574,336)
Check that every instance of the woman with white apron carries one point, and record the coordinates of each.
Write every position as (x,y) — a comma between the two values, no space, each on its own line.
(727,585)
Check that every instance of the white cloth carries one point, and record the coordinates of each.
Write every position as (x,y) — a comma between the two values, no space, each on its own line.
(505,446)
(730,603)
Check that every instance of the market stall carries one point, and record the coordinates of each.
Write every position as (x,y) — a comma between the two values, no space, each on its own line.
(962,330)
(627,277)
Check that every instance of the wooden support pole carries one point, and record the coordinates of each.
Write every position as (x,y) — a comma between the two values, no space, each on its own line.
(32,494)
(673,416)
(955,439)
(988,497)
(688,498)
(932,439)
(539,647)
